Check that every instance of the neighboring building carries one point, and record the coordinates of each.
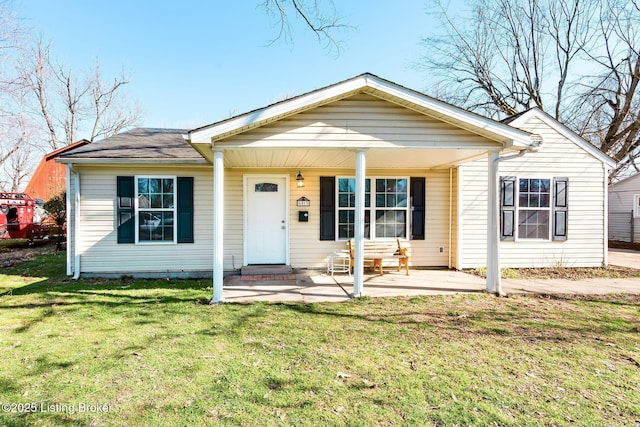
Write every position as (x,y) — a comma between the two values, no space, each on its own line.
(624,210)
(50,178)
(159,202)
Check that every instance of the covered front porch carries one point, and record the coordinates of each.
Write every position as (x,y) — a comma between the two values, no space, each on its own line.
(314,286)
(366,130)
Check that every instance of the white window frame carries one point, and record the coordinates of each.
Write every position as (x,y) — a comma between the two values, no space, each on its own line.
(549,209)
(174,210)
(372,207)
(636,205)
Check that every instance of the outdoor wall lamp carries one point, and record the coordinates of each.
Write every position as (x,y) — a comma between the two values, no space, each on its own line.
(299,180)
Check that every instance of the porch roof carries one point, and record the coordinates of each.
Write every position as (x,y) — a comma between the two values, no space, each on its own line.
(492,134)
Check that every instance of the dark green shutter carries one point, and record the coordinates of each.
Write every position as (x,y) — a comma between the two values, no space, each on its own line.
(125,210)
(327,208)
(418,207)
(507,208)
(185,209)
(560,208)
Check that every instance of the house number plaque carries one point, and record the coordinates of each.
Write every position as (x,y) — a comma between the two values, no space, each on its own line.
(303,201)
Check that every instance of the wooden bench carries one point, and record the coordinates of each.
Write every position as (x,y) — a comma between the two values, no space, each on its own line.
(377,251)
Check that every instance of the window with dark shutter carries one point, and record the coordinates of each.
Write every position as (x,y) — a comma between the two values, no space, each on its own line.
(327,208)
(507,208)
(125,210)
(418,208)
(560,208)
(185,209)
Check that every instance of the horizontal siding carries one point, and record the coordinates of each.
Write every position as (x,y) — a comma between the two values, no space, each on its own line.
(99,250)
(560,158)
(308,251)
(621,200)
(352,121)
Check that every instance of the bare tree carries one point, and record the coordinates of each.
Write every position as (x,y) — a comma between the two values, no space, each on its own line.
(609,105)
(319,16)
(576,59)
(67,104)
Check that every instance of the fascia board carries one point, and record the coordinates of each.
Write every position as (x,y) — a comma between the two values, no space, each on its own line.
(270,113)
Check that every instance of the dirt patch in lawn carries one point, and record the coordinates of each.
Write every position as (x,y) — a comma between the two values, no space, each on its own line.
(16,252)
(578,273)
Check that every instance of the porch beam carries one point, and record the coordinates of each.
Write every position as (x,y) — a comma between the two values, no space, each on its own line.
(358,257)
(494,283)
(218,226)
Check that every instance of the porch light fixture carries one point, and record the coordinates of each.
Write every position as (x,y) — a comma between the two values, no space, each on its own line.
(299,180)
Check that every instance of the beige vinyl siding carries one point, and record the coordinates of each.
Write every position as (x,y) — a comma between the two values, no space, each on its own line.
(99,250)
(352,121)
(621,201)
(308,251)
(559,157)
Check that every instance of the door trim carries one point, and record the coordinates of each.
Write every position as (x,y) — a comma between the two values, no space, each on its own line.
(245,213)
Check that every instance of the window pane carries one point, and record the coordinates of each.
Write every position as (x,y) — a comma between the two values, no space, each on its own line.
(391,223)
(266,187)
(343,200)
(343,185)
(534,193)
(391,193)
(346,224)
(156,200)
(533,224)
(391,201)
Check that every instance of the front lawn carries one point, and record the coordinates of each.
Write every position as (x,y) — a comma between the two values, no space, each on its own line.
(155,353)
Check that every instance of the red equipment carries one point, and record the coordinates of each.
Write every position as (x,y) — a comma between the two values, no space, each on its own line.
(20,217)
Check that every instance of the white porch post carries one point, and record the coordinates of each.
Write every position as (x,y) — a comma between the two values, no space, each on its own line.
(494,284)
(358,268)
(218,225)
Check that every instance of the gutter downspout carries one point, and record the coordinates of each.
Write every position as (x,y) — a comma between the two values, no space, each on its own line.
(76,222)
(605,216)
(68,209)
(494,270)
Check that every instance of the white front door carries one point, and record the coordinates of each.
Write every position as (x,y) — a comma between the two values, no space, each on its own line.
(266,219)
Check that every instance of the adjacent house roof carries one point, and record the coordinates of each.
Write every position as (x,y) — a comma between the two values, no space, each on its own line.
(140,144)
(627,181)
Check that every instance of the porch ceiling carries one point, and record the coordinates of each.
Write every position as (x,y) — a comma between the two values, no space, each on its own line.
(376,158)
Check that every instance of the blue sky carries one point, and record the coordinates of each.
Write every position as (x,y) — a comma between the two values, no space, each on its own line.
(196,62)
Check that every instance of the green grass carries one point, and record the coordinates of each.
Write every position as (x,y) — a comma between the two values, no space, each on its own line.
(157,354)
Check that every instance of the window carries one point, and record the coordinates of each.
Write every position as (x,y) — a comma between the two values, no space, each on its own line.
(636,205)
(534,208)
(155,204)
(391,207)
(347,207)
(387,219)
(155,209)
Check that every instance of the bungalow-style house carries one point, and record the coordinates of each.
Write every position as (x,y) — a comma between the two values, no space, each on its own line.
(366,159)
(624,210)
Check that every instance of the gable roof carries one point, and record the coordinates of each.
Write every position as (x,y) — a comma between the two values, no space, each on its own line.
(626,181)
(372,85)
(140,144)
(523,117)
(65,149)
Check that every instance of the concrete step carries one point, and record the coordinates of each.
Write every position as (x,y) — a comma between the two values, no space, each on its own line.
(260,270)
